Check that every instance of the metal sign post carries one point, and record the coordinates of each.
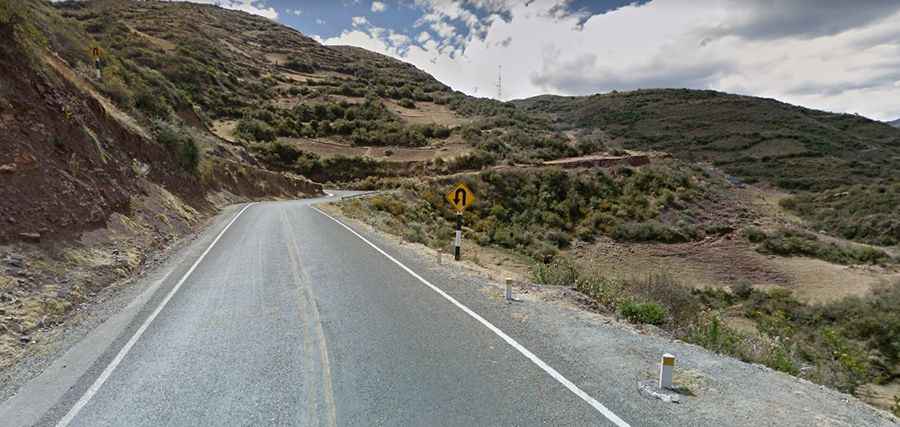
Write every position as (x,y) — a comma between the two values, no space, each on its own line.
(95,52)
(460,197)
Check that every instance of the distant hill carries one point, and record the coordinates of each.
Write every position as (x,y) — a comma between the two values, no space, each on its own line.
(895,123)
(756,139)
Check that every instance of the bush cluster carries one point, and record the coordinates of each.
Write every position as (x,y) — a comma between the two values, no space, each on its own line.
(285,156)
(790,242)
(844,344)
(368,123)
(179,142)
(865,213)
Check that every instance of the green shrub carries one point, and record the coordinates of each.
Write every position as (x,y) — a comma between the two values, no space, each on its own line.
(651,231)
(252,129)
(865,213)
(151,103)
(559,272)
(608,292)
(708,331)
(650,313)
(786,242)
(189,155)
(742,289)
(300,65)
(754,234)
(178,142)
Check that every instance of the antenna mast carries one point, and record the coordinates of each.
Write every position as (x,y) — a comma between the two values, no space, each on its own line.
(499,82)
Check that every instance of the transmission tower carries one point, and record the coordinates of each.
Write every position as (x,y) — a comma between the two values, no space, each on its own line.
(499,82)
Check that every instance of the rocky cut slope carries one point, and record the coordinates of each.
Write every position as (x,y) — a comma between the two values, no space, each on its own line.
(71,157)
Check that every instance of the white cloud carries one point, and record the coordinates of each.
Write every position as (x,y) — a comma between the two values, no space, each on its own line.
(443,29)
(378,6)
(295,12)
(848,65)
(398,39)
(359,21)
(320,21)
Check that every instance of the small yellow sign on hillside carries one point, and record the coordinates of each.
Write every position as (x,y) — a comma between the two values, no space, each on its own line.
(460,197)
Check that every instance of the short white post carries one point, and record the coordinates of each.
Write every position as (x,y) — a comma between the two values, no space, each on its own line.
(457,242)
(666,366)
(509,289)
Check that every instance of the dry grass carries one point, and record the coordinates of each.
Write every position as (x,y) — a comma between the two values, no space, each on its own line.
(6,282)
(428,112)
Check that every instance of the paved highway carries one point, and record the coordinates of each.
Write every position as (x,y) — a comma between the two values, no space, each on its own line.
(290,318)
(278,314)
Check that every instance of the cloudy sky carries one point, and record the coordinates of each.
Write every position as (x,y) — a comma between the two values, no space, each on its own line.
(836,55)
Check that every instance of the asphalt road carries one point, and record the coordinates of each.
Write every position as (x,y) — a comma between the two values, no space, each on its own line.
(290,318)
(278,314)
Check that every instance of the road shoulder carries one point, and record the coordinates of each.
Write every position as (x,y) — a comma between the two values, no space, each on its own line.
(72,356)
(609,358)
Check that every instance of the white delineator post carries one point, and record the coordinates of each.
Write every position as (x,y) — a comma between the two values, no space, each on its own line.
(457,242)
(666,366)
(509,289)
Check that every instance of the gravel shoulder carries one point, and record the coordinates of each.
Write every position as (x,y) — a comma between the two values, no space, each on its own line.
(609,358)
(56,360)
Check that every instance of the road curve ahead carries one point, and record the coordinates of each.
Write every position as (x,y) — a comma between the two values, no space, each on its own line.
(290,318)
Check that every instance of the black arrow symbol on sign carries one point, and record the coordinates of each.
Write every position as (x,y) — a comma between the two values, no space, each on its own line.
(456,196)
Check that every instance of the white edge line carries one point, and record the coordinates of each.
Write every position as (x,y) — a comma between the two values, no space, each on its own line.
(509,340)
(73,412)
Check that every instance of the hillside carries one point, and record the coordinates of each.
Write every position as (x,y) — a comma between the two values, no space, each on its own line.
(895,123)
(756,139)
(769,220)
(821,156)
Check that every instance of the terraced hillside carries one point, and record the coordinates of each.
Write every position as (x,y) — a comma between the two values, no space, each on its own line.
(821,156)
(757,139)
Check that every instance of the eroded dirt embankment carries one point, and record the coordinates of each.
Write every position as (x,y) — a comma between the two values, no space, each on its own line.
(87,200)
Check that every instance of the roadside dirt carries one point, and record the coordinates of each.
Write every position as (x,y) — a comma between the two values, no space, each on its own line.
(44,282)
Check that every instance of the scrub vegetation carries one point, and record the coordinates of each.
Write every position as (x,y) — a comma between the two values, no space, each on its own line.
(540,211)
(792,242)
(843,166)
(843,344)
(866,213)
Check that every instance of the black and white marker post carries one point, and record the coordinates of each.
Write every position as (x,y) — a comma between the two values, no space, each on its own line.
(460,197)
(96,54)
(458,241)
